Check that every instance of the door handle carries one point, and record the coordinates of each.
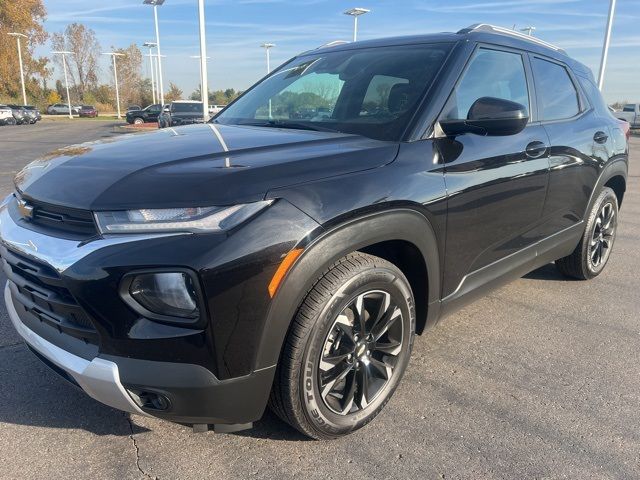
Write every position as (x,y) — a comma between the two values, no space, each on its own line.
(535,149)
(600,137)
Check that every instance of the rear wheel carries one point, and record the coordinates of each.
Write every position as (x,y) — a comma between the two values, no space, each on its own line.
(592,253)
(347,348)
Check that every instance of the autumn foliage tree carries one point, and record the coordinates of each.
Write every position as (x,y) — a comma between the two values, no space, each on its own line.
(26,17)
(129,74)
(174,93)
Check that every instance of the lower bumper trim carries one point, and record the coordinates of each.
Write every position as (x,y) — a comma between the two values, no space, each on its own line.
(99,378)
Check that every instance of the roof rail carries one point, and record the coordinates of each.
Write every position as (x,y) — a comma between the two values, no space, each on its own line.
(332,44)
(485,27)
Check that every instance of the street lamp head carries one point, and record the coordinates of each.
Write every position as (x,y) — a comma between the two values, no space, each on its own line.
(62,52)
(356,12)
(268,45)
(153,2)
(16,34)
(150,44)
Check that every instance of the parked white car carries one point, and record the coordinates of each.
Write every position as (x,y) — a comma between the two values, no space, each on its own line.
(214,109)
(6,116)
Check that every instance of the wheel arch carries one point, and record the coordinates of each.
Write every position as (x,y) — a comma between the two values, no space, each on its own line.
(374,233)
(614,176)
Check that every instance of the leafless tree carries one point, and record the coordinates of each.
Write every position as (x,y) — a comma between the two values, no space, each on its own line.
(83,64)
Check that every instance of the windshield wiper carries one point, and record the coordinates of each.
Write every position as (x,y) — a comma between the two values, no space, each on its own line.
(292,125)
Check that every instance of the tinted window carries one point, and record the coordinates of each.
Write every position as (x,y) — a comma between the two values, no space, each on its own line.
(595,98)
(557,95)
(491,73)
(186,107)
(629,108)
(368,91)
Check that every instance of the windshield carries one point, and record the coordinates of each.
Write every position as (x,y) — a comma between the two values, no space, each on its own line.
(370,91)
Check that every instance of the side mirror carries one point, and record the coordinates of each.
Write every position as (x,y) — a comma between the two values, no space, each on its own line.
(490,116)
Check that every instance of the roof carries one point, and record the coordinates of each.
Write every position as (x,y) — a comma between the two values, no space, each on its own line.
(483,33)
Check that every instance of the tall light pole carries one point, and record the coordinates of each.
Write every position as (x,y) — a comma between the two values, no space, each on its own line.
(156,4)
(66,79)
(151,45)
(528,30)
(605,46)
(200,64)
(18,35)
(355,13)
(267,47)
(204,84)
(115,76)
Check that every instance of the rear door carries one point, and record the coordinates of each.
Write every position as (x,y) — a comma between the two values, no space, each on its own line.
(580,141)
(496,185)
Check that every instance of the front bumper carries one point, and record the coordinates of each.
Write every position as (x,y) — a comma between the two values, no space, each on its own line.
(208,375)
(99,378)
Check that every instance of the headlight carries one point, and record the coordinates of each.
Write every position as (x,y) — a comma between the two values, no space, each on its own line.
(196,219)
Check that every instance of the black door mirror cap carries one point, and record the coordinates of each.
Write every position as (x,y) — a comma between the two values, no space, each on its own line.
(490,116)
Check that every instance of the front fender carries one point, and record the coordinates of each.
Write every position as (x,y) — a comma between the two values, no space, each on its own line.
(330,245)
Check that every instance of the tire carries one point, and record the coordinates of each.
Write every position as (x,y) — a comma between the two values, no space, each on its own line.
(594,250)
(326,350)
(138,121)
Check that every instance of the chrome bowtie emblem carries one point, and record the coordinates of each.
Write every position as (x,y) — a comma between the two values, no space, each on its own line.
(25,209)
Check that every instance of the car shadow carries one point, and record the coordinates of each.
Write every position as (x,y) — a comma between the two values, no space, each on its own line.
(33,395)
(548,272)
(270,427)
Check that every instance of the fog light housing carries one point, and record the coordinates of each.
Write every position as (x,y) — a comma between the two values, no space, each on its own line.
(168,296)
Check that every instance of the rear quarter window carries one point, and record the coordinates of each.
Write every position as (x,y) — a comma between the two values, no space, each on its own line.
(557,95)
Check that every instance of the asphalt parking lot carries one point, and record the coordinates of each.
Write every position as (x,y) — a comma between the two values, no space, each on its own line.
(541,379)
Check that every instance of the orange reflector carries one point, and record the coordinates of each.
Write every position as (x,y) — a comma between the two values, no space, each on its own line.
(282,270)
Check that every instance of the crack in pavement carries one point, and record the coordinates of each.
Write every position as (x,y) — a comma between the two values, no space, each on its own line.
(137,450)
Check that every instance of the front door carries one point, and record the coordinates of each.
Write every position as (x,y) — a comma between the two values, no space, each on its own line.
(496,185)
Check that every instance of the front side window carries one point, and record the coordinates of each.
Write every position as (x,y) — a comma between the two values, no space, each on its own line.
(367,91)
(557,95)
(629,108)
(491,73)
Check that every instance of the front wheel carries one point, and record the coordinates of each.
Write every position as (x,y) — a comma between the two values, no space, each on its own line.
(347,348)
(138,121)
(592,253)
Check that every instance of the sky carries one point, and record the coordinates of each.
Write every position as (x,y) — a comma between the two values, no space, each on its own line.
(235,29)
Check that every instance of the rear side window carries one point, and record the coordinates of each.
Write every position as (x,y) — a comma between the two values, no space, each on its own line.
(491,73)
(595,98)
(557,95)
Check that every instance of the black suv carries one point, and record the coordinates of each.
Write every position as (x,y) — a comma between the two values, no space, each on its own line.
(148,114)
(181,112)
(197,274)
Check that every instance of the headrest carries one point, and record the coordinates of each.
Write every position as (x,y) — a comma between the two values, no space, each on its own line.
(399,97)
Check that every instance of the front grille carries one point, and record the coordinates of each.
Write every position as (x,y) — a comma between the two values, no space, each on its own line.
(39,290)
(62,219)
(55,219)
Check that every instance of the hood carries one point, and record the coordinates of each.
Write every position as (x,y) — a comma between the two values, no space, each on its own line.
(198,165)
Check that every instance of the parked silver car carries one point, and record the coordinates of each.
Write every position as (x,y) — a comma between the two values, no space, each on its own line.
(61,109)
